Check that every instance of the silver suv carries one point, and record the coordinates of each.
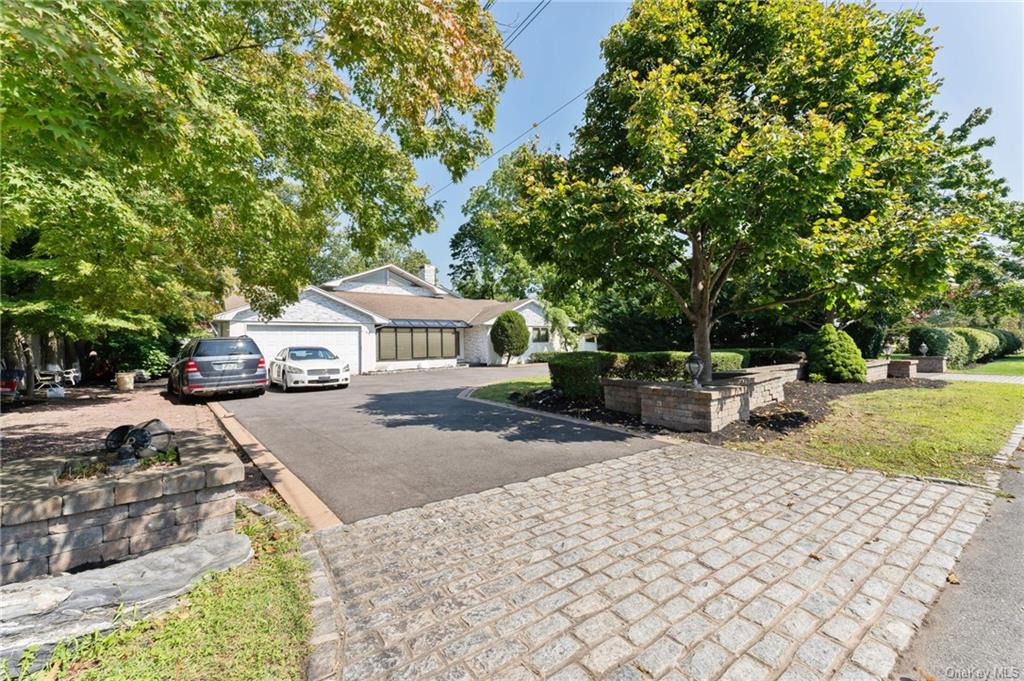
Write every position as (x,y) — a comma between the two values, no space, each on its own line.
(216,366)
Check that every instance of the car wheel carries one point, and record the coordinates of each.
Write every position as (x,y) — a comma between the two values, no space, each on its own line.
(343,386)
(284,381)
(170,386)
(259,392)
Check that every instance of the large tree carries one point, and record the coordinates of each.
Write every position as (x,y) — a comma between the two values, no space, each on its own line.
(484,265)
(729,144)
(156,152)
(338,258)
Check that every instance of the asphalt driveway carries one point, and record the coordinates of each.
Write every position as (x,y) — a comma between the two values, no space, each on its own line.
(395,441)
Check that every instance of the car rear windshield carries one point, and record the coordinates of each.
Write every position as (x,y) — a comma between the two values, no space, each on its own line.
(299,354)
(226,346)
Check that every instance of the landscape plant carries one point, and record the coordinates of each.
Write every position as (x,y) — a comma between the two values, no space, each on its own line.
(726,144)
(157,154)
(510,336)
(834,356)
(940,342)
(981,345)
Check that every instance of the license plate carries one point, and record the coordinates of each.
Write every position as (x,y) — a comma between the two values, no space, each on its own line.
(323,378)
(229,366)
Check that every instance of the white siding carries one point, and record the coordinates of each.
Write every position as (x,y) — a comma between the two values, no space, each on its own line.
(312,307)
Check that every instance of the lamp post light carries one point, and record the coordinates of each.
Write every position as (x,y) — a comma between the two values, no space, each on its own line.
(923,349)
(887,350)
(694,367)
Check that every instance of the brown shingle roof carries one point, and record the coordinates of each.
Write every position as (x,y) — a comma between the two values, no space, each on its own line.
(392,306)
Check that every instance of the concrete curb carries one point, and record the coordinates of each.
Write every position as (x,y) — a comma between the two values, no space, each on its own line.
(295,492)
(467,393)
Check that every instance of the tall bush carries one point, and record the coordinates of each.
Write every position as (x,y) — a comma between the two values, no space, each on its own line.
(981,345)
(509,335)
(939,342)
(834,356)
(578,374)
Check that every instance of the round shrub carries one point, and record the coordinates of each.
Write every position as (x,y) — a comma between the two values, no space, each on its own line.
(509,335)
(578,374)
(981,345)
(1009,341)
(834,355)
(939,342)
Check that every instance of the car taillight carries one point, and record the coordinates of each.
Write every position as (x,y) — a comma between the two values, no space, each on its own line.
(191,367)
(262,364)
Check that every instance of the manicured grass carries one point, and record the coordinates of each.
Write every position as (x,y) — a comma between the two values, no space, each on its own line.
(950,432)
(499,392)
(1007,366)
(251,622)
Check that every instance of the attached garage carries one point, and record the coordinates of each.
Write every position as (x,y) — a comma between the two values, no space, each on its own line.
(343,341)
(316,319)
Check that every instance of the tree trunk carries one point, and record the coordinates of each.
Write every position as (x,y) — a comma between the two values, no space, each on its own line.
(51,351)
(702,343)
(30,365)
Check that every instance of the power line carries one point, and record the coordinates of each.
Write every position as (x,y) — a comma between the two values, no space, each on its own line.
(525,23)
(519,136)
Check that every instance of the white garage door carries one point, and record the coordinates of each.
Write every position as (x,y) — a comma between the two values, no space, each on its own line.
(341,340)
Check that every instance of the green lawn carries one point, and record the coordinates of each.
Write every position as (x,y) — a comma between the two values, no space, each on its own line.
(1007,366)
(248,623)
(499,392)
(952,432)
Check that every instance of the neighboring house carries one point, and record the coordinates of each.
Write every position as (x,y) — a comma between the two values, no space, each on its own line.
(387,319)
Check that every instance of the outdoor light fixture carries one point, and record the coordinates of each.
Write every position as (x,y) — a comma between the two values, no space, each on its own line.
(923,349)
(694,367)
(887,349)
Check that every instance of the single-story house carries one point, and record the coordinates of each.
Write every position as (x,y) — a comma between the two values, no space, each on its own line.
(387,319)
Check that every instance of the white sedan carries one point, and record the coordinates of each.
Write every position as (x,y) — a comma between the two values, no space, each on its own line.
(308,366)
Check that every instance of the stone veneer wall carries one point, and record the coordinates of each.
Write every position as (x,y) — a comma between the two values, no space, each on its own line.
(710,408)
(929,364)
(903,368)
(878,370)
(48,527)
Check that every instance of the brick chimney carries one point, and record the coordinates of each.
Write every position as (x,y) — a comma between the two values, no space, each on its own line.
(428,273)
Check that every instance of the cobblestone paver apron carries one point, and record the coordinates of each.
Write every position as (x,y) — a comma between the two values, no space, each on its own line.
(690,562)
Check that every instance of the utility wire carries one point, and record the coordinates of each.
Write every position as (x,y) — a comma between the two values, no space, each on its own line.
(525,23)
(518,137)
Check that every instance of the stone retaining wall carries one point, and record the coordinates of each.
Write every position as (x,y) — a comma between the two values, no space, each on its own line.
(878,370)
(903,368)
(680,406)
(927,364)
(48,527)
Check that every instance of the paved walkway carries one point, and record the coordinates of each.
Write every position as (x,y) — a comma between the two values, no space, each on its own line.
(982,378)
(976,630)
(689,562)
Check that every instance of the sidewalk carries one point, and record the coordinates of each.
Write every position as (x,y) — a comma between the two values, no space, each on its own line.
(982,378)
(976,630)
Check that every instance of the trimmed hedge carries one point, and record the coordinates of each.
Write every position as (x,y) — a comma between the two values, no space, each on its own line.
(543,356)
(981,345)
(578,374)
(835,356)
(763,357)
(1009,341)
(940,342)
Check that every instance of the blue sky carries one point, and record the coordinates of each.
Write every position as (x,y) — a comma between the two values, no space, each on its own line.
(981,61)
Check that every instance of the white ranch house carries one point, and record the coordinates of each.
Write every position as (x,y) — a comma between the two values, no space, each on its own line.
(387,319)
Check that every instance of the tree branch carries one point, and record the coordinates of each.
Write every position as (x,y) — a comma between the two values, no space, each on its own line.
(675,294)
(785,301)
(720,277)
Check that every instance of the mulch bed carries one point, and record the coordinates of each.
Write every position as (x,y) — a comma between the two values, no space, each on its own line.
(805,404)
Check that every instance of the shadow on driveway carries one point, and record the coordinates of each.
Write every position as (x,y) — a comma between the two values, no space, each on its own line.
(442,410)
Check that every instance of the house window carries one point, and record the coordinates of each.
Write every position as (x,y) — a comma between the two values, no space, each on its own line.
(386,344)
(412,343)
(540,334)
(419,344)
